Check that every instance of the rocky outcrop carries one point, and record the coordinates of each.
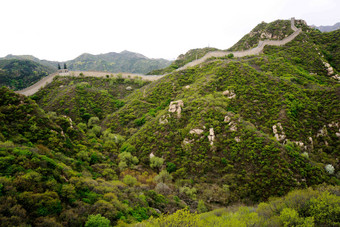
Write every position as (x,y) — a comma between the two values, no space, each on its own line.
(279,134)
(233,126)
(196,131)
(176,106)
(211,136)
(229,93)
(164,119)
(322,132)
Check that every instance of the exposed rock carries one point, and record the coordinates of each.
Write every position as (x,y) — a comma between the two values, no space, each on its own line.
(333,124)
(299,143)
(227,119)
(337,134)
(176,106)
(322,132)
(186,141)
(329,68)
(151,155)
(311,142)
(233,126)
(280,136)
(163,119)
(211,136)
(229,93)
(69,119)
(196,131)
(237,139)
(187,87)
(129,88)
(336,77)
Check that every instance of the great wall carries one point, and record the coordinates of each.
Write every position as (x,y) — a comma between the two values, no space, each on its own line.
(254,51)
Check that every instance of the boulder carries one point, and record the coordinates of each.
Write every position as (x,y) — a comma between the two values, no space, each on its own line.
(176,106)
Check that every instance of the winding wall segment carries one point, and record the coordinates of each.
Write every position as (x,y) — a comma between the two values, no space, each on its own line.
(254,51)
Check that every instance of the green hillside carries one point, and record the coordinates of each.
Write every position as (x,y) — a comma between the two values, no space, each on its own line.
(19,74)
(117,62)
(84,97)
(226,133)
(183,59)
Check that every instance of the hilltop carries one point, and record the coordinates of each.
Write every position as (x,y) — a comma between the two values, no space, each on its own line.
(216,130)
(125,61)
(18,74)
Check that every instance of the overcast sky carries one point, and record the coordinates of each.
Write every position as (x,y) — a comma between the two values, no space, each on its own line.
(62,30)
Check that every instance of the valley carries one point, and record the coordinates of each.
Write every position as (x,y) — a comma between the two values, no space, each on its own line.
(248,136)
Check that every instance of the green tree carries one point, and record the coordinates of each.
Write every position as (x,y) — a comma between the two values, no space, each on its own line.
(97,221)
(130,180)
(201,208)
(163,177)
(156,162)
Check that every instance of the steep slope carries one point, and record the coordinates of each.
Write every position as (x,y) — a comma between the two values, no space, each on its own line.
(276,30)
(227,130)
(50,64)
(117,62)
(19,74)
(243,122)
(84,97)
(53,174)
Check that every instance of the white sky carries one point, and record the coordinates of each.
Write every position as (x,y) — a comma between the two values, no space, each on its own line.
(62,30)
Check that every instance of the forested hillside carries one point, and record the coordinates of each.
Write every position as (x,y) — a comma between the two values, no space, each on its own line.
(18,74)
(124,61)
(232,134)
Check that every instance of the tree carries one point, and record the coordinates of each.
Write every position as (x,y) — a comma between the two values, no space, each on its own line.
(201,208)
(65,67)
(163,177)
(59,66)
(97,221)
(156,162)
(130,180)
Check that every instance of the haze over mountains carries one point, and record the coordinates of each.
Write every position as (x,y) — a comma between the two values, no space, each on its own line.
(328,28)
(209,136)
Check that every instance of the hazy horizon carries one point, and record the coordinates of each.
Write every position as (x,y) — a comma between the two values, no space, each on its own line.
(63,30)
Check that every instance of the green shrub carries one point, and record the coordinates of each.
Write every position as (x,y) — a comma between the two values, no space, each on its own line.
(97,221)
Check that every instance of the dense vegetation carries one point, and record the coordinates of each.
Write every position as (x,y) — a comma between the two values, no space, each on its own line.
(307,207)
(84,97)
(117,62)
(115,151)
(19,74)
(124,61)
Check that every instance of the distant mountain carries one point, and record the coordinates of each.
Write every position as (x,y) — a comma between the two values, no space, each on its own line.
(18,74)
(328,28)
(124,61)
(50,64)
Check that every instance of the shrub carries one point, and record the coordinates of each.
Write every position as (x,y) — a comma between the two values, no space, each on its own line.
(163,177)
(170,167)
(329,168)
(130,180)
(97,221)
(156,162)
